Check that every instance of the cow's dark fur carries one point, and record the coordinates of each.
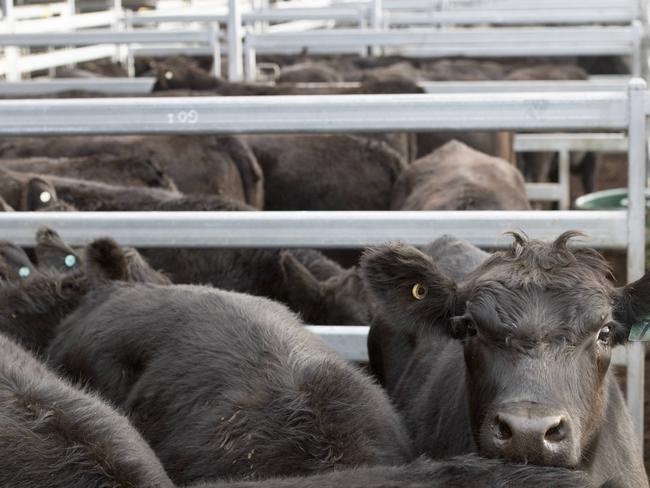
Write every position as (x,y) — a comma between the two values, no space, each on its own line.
(15,261)
(530,331)
(339,299)
(335,298)
(26,192)
(326,172)
(132,171)
(56,436)
(226,384)
(251,271)
(95,196)
(457,177)
(389,346)
(31,309)
(54,254)
(308,72)
(206,165)
(460,472)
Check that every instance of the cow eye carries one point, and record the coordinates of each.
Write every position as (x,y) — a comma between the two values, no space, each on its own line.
(604,334)
(419,291)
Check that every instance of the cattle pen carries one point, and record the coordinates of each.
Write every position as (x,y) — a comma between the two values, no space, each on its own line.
(566,116)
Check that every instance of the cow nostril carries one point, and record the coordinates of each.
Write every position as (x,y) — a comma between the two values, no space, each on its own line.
(503,431)
(557,432)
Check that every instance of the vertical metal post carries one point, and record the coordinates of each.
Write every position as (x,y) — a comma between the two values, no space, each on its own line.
(250,59)
(642,10)
(636,240)
(11,52)
(235,34)
(215,45)
(8,9)
(638,55)
(71,8)
(260,5)
(564,178)
(119,24)
(130,56)
(363,19)
(377,19)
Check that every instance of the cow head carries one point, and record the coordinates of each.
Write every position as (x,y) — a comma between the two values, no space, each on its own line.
(338,300)
(52,253)
(537,323)
(15,265)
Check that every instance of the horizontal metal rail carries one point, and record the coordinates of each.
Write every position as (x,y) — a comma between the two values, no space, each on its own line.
(466,41)
(316,113)
(132,86)
(609,15)
(64,23)
(351,342)
(608,142)
(78,38)
(170,50)
(598,84)
(603,83)
(61,57)
(266,15)
(545,192)
(40,10)
(336,229)
(486,5)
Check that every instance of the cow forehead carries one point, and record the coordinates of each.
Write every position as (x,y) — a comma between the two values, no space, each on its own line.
(539,313)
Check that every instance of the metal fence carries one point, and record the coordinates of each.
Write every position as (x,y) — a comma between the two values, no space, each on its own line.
(472,42)
(611,111)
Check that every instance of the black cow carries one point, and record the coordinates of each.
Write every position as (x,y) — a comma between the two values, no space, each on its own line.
(53,254)
(459,472)
(457,177)
(56,436)
(513,360)
(31,308)
(26,192)
(259,272)
(118,170)
(226,384)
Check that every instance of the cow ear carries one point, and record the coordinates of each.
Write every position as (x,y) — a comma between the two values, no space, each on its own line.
(407,286)
(4,206)
(52,252)
(305,291)
(105,260)
(631,305)
(39,194)
(139,270)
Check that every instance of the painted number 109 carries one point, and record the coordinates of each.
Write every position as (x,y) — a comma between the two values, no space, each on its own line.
(183,117)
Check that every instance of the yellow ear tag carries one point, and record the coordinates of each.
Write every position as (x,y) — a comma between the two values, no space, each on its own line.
(419,291)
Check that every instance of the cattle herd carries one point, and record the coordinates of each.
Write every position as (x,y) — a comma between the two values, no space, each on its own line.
(161,367)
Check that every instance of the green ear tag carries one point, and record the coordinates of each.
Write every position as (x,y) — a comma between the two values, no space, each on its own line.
(640,332)
(70,260)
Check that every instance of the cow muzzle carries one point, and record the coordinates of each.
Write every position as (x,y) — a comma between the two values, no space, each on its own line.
(530,433)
